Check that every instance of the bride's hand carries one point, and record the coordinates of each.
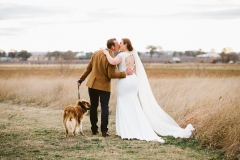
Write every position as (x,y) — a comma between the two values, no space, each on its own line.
(105,52)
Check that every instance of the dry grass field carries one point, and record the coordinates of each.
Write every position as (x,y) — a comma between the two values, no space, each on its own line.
(32,98)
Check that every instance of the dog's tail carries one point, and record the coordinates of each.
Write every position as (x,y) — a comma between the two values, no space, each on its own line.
(71,123)
(68,115)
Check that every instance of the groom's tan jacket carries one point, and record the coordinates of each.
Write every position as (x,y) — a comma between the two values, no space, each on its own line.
(101,72)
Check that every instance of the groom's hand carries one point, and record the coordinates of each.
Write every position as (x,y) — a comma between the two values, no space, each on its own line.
(129,72)
(79,82)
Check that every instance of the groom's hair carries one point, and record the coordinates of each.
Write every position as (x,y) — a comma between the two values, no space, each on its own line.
(111,43)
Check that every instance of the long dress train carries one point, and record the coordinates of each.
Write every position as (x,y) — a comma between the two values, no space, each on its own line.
(160,121)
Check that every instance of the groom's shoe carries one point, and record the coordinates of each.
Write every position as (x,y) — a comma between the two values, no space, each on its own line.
(105,134)
(95,132)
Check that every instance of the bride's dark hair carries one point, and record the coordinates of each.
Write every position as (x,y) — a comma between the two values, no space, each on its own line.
(128,42)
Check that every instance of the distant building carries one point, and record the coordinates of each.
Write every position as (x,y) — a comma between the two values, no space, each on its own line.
(37,58)
(208,57)
(81,55)
(5,59)
(176,60)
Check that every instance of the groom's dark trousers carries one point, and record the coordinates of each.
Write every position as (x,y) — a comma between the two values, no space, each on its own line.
(104,97)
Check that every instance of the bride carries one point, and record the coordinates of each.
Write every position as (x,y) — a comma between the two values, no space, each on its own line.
(140,119)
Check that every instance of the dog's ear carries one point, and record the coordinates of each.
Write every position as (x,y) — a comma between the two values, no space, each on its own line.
(79,103)
(86,103)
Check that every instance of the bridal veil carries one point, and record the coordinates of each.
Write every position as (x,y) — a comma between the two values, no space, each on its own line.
(160,121)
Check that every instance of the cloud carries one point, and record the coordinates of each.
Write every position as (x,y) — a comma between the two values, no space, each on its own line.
(219,10)
(15,11)
(111,14)
(213,14)
(11,31)
(177,11)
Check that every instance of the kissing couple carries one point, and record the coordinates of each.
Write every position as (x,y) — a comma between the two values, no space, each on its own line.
(136,118)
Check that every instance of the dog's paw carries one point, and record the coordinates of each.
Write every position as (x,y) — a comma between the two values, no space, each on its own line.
(82,133)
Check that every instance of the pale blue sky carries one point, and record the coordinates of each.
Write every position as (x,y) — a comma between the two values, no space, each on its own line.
(85,25)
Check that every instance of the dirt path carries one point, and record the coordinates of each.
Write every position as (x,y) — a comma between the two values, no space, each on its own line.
(32,132)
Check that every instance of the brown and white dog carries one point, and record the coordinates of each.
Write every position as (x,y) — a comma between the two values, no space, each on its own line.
(73,117)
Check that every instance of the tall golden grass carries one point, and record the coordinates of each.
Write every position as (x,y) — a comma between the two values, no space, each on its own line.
(211,104)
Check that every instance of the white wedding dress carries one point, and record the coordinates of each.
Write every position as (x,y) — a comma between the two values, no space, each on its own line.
(141,119)
(131,123)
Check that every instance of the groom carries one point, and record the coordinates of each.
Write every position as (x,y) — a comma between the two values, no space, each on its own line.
(99,84)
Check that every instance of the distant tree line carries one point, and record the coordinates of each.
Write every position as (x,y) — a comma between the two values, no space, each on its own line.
(188,53)
(155,50)
(69,55)
(2,54)
(227,54)
(57,55)
(227,57)
(22,55)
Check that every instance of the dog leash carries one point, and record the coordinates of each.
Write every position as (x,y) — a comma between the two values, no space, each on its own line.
(78,93)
